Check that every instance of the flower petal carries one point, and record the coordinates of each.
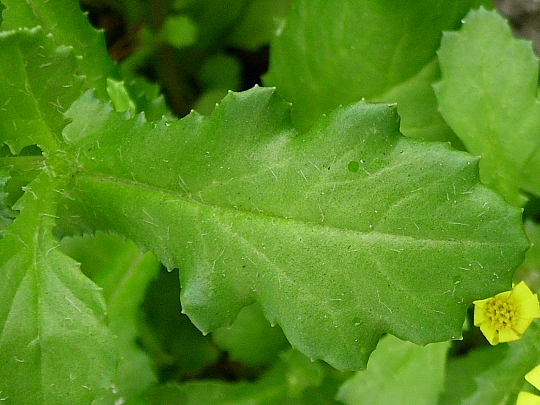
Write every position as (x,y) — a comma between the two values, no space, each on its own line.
(490,332)
(533,377)
(508,335)
(479,313)
(521,325)
(526,398)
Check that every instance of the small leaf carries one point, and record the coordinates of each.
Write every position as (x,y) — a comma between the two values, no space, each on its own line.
(38,83)
(488,95)
(398,373)
(54,345)
(341,234)
(119,96)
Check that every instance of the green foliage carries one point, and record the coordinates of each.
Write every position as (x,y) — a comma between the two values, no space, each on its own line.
(221,239)
(315,224)
(55,345)
(492,375)
(38,80)
(418,375)
(317,73)
(501,121)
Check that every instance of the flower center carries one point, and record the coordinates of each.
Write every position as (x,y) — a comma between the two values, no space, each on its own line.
(501,313)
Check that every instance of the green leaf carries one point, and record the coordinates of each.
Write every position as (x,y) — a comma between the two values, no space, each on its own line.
(124,273)
(54,345)
(38,82)
(329,53)
(341,234)
(250,339)
(488,95)
(69,26)
(492,375)
(284,383)
(398,373)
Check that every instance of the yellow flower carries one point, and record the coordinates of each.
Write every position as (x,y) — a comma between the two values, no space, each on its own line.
(526,398)
(507,316)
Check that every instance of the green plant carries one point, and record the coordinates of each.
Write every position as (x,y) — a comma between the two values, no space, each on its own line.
(321,218)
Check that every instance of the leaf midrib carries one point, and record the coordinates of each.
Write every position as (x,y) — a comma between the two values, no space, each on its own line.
(99,179)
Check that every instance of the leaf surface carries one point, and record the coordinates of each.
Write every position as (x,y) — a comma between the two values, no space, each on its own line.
(341,234)
(331,53)
(398,373)
(495,78)
(54,345)
(69,26)
(38,82)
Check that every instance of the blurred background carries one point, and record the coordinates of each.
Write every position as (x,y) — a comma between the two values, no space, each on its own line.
(197,50)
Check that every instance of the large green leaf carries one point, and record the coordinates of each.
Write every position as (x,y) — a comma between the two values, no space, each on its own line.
(341,234)
(54,345)
(334,52)
(398,373)
(488,95)
(38,82)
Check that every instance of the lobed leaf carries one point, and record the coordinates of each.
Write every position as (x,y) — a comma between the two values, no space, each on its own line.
(54,345)
(331,53)
(495,78)
(341,234)
(69,26)
(38,82)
